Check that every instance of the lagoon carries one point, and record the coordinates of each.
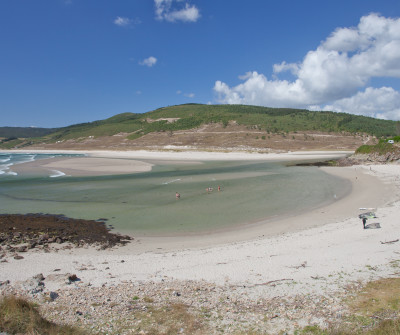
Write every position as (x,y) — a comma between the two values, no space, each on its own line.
(145,203)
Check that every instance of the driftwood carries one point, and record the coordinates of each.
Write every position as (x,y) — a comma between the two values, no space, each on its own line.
(389,242)
(272,281)
(303,265)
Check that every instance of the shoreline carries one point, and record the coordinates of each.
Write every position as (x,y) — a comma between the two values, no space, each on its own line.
(367,192)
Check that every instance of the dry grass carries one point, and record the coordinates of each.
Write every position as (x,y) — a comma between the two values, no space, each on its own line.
(386,327)
(374,311)
(168,320)
(18,316)
(378,298)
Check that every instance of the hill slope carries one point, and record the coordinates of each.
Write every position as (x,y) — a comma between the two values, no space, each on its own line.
(25,132)
(220,126)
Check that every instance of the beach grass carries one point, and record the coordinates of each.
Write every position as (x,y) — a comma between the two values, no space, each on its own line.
(175,318)
(374,310)
(19,316)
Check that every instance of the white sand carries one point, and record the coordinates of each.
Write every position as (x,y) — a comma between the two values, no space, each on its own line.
(82,166)
(334,250)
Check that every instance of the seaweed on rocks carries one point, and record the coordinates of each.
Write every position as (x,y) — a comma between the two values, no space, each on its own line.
(33,230)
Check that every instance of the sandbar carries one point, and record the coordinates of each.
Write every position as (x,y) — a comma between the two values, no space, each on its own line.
(82,166)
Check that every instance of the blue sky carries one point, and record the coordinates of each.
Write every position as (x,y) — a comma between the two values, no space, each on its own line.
(64,62)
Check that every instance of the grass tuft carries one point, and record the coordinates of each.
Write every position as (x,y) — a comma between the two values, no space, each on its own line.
(19,316)
(171,319)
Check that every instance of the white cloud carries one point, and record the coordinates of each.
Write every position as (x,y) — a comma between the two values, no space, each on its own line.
(381,103)
(333,74)
(165,11)
(150,61)
(122,21)
(188,95)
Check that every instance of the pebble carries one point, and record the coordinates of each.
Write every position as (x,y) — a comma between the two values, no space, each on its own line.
(101,309)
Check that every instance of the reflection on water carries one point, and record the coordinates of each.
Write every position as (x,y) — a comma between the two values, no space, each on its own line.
(146,202)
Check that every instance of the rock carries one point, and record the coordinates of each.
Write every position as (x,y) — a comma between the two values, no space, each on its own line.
(39,277)
(6,282)
(33,285)
(53,296)
(22,248)
(71,278)
(18,257)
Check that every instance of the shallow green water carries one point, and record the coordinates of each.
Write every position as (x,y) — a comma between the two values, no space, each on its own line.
(145,203)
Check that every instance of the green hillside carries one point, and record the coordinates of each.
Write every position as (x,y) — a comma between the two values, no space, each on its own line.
(273,120)
(24,132)
(193,115)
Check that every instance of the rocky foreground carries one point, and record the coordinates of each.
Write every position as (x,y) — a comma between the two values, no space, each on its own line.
(178,307)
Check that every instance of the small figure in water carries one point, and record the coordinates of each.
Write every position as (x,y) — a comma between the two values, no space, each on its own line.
(364,221)
(219,188)
(177,195)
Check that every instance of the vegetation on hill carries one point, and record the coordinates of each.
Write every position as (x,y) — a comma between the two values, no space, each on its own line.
(189,116)
(382,148)
(24,132)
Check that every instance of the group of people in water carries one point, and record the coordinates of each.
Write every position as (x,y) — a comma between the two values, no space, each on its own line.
(208,190)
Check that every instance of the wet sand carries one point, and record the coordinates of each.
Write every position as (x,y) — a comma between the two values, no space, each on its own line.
(82,166)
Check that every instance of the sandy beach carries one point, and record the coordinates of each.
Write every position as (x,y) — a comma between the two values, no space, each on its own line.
(317,252)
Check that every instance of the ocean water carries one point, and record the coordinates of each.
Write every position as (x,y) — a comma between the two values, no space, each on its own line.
(145,203)
(7,160)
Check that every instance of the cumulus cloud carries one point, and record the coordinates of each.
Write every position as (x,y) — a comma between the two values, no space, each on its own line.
(332,76)
(165,10)
(381,103)
(150,61)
